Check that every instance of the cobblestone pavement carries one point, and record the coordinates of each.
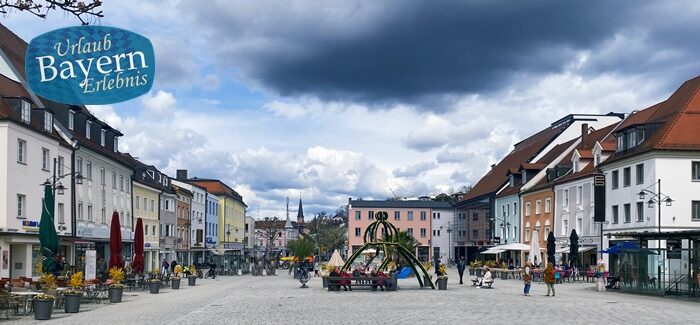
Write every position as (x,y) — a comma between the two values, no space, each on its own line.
(278,299)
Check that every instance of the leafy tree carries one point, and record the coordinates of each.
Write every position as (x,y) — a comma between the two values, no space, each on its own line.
(301,248)
(83,10)
(327,232)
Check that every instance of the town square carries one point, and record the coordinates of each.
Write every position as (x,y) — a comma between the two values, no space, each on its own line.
(350,162)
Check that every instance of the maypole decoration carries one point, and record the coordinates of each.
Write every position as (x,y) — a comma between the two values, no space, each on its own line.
(381,235)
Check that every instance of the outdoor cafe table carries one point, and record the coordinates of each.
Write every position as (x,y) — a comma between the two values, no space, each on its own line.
(26,295)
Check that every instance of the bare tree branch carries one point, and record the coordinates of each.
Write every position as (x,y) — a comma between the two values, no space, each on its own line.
(85,12)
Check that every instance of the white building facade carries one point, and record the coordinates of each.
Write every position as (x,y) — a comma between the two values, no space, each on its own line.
(443,226)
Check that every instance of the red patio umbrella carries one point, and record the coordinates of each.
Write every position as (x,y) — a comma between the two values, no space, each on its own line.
(115,242)
(138,247)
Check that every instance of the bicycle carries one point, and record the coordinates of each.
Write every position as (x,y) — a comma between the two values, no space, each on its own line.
(211,273)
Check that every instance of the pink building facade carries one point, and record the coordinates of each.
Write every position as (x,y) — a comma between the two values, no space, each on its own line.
(411,216)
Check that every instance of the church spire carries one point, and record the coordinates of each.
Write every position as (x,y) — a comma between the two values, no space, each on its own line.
(300,213)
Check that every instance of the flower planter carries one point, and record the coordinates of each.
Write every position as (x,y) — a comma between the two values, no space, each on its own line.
(43,309)
(442,284)
(175,283)
(471,271)
(325,281)
(115,294)
(71,303)
(155,287)
(191,281)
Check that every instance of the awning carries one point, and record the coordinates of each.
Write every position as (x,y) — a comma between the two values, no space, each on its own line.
(493,250)
(566,250)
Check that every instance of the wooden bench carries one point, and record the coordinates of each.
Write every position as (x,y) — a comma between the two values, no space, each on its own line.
(361,281)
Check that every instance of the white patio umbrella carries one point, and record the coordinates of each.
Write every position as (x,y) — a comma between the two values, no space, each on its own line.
(515,247)
(535,253)
(336,260)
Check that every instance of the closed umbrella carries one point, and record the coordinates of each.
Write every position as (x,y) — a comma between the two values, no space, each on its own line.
(535,257)
(138,247)
(573,250)
(336,260)
(47,233)
(551,247)
(115,243)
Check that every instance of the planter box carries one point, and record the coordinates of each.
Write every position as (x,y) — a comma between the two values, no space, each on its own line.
(115,294)
(442,284)
(175,283)
(43,309)
(72,303)
(325,281)
(155,287)
(191,281)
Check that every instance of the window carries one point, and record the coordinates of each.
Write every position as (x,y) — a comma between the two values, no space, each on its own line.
(60,166)
(48,122)
(79,165)
(434,215)
(626,176)
(137,202)
(114,180)
(422,215)
(26,112)
(121,183)
(370,215)
(104,216)
(538,207)
(515,209)
(423,233)
(615,214)
(597,159)
(575,168)
(410,231)
(153,205)
(145,204)
(79,213)
(89,212)
(503,210)
(628,213)
(475,233)
(640,211)
(547,205)
(515,232)
(475,216)
(579,195)
(438,215)
(103,135)
(564,227)
(632,139)
(527,209)
(565,198)
(546,232)
(59,213)
(696,170)
(88,167)
(357,215)
(71,120)
(103,181)
(45,157)
(21,151)
(615,179)
(145,231)
(695,207)
(409,217)
(620,145)
(21,206)
(640,173)
(579,225)
(116,144)
(397,215)
(88,127)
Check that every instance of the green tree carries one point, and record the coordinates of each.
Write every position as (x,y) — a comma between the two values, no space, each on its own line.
(301,248)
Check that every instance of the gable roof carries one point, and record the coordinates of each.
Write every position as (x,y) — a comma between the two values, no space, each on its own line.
(217,187)
(522,152)
(677,119)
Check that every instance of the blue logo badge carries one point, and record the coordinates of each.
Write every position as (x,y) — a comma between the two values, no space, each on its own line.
(90,65)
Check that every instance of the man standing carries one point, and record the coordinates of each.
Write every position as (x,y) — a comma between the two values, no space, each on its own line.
(460,268)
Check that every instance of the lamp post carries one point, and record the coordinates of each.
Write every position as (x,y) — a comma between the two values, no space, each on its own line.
(54,180)
(657,198)
(505,225)
(449,240)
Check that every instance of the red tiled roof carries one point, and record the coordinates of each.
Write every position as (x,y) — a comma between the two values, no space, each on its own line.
(532,166)
(585,153)
(216,187)
(678,118)
(522,152)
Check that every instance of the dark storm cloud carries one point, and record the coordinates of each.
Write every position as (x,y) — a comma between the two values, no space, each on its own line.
(412,50)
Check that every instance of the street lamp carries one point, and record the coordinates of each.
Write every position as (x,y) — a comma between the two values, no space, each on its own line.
(505,225)
(449,240)
(55,180)
(656,198)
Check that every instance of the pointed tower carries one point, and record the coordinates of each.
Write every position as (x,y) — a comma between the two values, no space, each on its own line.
(300,213)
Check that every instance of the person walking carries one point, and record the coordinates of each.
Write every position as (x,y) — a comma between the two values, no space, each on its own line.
(461,264)
(164,267)
(527,278)
(549,278)
(172,266)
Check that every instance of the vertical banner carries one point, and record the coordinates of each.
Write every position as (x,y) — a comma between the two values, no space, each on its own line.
(90,265)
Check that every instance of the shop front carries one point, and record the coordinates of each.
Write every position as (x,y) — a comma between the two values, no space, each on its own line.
(21,255)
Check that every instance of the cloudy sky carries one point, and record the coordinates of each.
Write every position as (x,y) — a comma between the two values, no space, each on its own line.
(335,99)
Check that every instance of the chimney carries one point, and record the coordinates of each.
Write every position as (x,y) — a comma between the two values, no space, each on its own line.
(181,174)
(584,135)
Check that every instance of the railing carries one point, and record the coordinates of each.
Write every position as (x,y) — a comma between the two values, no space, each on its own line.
(673,287)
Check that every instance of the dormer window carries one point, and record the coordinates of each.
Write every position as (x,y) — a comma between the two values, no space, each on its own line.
(48,122)
(576,161)
(71,119)
(88,127)
(511,180)
(103,135)
(597,158)
(524,177)
(26,112)
(630,138)
(116,144)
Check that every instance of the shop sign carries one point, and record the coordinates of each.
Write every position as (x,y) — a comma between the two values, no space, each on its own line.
(32,226)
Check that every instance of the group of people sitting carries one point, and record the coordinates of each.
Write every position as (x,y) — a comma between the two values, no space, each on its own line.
(359,272)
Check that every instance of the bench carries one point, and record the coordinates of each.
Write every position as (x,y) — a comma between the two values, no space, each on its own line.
(361,281)
(475,283)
